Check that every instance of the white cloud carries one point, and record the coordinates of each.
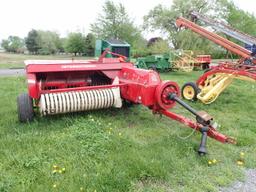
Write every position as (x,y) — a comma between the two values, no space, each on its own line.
(17,17)
(247,5)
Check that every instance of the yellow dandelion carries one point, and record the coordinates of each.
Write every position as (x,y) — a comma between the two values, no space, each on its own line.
(55,167)
(54,186)
(120,134)
(209,162)
(109,132)
(63,169)
(242,154)
(239,162)
(60,171)
(54,171)
(214,161)
(81,188)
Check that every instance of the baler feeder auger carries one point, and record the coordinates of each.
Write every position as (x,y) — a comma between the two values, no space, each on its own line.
(212,83)
(56,87)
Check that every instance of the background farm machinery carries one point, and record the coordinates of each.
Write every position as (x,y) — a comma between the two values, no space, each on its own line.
(63,86)
(159,63)
(187,61)
(181,60)
(113,45)
(212,83)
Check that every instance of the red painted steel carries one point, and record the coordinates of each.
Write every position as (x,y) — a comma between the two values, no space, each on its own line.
(245,71)
(229,45)
(136,85)
(204,58)
(213,133)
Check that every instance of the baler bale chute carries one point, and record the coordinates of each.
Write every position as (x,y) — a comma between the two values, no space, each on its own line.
(56,87)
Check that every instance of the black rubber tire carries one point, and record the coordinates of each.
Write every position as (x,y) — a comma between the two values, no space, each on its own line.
(25,108)
(127,104)
(206,66)
(195,88)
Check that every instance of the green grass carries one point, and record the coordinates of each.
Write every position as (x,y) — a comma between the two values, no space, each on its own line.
(9,60)
(123,149)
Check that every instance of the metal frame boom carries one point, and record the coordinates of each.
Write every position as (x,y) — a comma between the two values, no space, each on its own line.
(226,29)
(229,45)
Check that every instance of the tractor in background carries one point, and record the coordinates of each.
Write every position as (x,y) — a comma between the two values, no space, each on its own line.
(113,45)
(175,60)
(159,63)
(182,60)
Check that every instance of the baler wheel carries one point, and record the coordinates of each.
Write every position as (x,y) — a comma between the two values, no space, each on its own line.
(25,107)
(205,66)
(189,91)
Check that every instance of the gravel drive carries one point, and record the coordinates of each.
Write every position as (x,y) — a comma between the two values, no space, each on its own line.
(11,72)
(248,185)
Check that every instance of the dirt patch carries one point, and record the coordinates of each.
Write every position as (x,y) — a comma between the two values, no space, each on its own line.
(151,184)
(248,185)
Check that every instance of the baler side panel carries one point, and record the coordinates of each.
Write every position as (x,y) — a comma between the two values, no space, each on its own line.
(32,86)
(140,85)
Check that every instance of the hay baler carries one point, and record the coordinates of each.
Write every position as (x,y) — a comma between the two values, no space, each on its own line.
(64,86)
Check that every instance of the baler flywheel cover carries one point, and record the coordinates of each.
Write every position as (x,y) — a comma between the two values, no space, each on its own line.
(163,91)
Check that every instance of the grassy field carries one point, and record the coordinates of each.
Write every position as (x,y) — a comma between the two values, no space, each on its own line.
(9,60)
(123,149)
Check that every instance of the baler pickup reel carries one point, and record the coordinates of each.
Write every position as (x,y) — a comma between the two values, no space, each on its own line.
(56,87)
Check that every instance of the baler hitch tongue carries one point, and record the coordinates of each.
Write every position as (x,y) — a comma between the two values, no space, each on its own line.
(207,126)
(202,117)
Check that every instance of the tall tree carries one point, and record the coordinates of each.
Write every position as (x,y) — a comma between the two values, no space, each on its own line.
(32,41)
(13,44)
(159,46)
(163,18)
(43,42)
(239,19)
(114,22)
(75,43)
(5,44)
(89,44)
(49,42)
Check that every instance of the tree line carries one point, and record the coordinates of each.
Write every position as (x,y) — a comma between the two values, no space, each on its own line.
(115,23)
(49,42)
